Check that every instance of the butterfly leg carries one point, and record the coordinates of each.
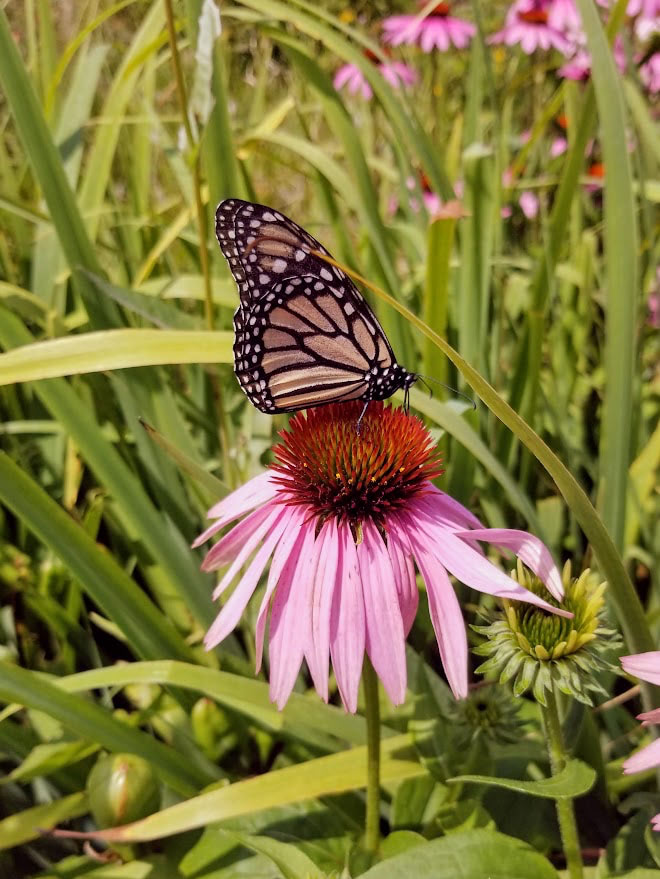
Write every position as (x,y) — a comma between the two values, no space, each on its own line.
(362,414)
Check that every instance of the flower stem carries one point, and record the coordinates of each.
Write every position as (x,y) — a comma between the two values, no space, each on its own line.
(372,715)
(565,811)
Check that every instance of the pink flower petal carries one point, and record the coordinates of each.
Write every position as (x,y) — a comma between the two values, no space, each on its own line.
(228,546)
(347,622)
(254,493)
(647,758)
(286,554)
(247,549)
(444,608)
(471,568)
(401,29)
(442,505)
(290,621)
(532,551)
(317,652)
(404,578)
(649,717)
(643,665)
(655,821)
(230,614)
(385,639)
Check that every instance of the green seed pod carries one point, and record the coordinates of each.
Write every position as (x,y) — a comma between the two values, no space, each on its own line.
(122,788)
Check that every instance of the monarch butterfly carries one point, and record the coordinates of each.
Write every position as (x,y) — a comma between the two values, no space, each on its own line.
(304,335)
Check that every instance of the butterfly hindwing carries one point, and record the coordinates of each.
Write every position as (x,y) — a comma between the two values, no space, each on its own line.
(304,335)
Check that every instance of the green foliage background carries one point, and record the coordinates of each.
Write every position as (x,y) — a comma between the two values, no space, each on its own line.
(106,214)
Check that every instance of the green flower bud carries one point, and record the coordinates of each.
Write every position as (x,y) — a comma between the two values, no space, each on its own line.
(122,788)
(538,650)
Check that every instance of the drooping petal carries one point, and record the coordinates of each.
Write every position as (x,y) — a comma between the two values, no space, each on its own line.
(286,554)
(404,578)
(446,615)
(385,638)
(317,652)
(471,568)
(290,621)
(532,551)
(230,614)
(648,717)
(255,492)
(647,758)
(347,623)
(226,549)
(440,505)
(643,665)
(274,515)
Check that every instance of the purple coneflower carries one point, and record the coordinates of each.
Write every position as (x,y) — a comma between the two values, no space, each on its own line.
(527,24)
(343,518)
(647,667)
(396,73)
(437,30)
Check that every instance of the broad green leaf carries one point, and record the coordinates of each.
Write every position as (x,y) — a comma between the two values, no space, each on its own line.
(291,862)
(574,780)
(476,854)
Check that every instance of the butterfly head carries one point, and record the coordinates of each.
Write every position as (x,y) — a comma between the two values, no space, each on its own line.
(409,380)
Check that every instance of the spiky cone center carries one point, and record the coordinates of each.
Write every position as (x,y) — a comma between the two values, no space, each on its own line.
(323,461)
(547,636)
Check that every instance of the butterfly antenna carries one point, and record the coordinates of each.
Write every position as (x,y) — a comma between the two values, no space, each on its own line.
(427,378)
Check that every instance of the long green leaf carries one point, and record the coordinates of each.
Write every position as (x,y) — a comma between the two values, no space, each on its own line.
(315,778)
(113,349)
(621,274)
(28,824)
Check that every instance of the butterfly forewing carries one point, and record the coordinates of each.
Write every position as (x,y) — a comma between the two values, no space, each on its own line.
(304,335)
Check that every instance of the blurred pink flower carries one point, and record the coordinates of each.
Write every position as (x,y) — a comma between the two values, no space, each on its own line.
(558,147)
(527,24)
(563,15)
(529,204)
(650,73)
(579,66)
(343,519)
(394,72)
(647,667)
(437,30)
(647,18)
(653,302)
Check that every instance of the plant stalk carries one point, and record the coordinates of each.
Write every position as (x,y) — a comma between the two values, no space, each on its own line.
(372,715)
(565,810)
